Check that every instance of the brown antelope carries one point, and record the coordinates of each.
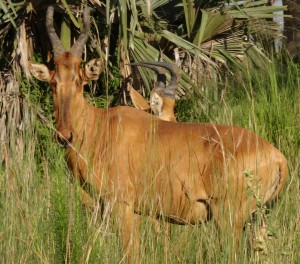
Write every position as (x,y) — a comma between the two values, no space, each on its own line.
(162,97)
(188,173)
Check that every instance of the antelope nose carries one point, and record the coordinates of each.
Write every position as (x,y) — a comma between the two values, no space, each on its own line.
(64,139)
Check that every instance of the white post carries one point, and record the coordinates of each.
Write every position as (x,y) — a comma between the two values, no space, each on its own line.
(280,21)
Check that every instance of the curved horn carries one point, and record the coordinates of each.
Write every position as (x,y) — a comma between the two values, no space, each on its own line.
(77,47)
(161,80)
(57,46)
(170,90)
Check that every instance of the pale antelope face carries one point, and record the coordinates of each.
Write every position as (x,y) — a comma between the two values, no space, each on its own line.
(156,103)
(67,79)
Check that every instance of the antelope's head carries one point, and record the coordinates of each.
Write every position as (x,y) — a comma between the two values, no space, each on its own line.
(68,78)
(162,96)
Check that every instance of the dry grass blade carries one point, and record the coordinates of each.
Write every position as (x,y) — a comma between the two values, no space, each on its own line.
(24,50)
(15,117)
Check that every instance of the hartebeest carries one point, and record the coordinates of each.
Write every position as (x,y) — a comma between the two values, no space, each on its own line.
(162,97)
(189,173)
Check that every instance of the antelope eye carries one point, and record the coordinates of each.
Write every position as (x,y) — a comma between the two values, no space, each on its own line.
(78,82)
(53,84)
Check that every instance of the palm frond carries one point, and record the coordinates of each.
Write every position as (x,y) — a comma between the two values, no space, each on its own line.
(8,13)
(198,35)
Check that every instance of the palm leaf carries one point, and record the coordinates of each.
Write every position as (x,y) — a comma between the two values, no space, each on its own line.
(204,36)
(8,13)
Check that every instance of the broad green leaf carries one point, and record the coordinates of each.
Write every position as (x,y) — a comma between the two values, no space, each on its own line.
(189,14)
(65,33)
(203,26)
(212,25)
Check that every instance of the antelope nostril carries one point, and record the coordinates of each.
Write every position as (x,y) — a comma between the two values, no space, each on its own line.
(70,138)
(64,141)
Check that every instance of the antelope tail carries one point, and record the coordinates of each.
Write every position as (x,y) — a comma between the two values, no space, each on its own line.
(277,185)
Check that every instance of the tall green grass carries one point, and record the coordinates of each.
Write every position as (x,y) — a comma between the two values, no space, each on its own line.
(43,221)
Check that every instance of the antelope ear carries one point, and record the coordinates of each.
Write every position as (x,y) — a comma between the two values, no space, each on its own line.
(40,71)
(93,69)
(138,100)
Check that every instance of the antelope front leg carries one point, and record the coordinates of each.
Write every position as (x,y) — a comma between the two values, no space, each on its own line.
(128,224)
(86,199)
